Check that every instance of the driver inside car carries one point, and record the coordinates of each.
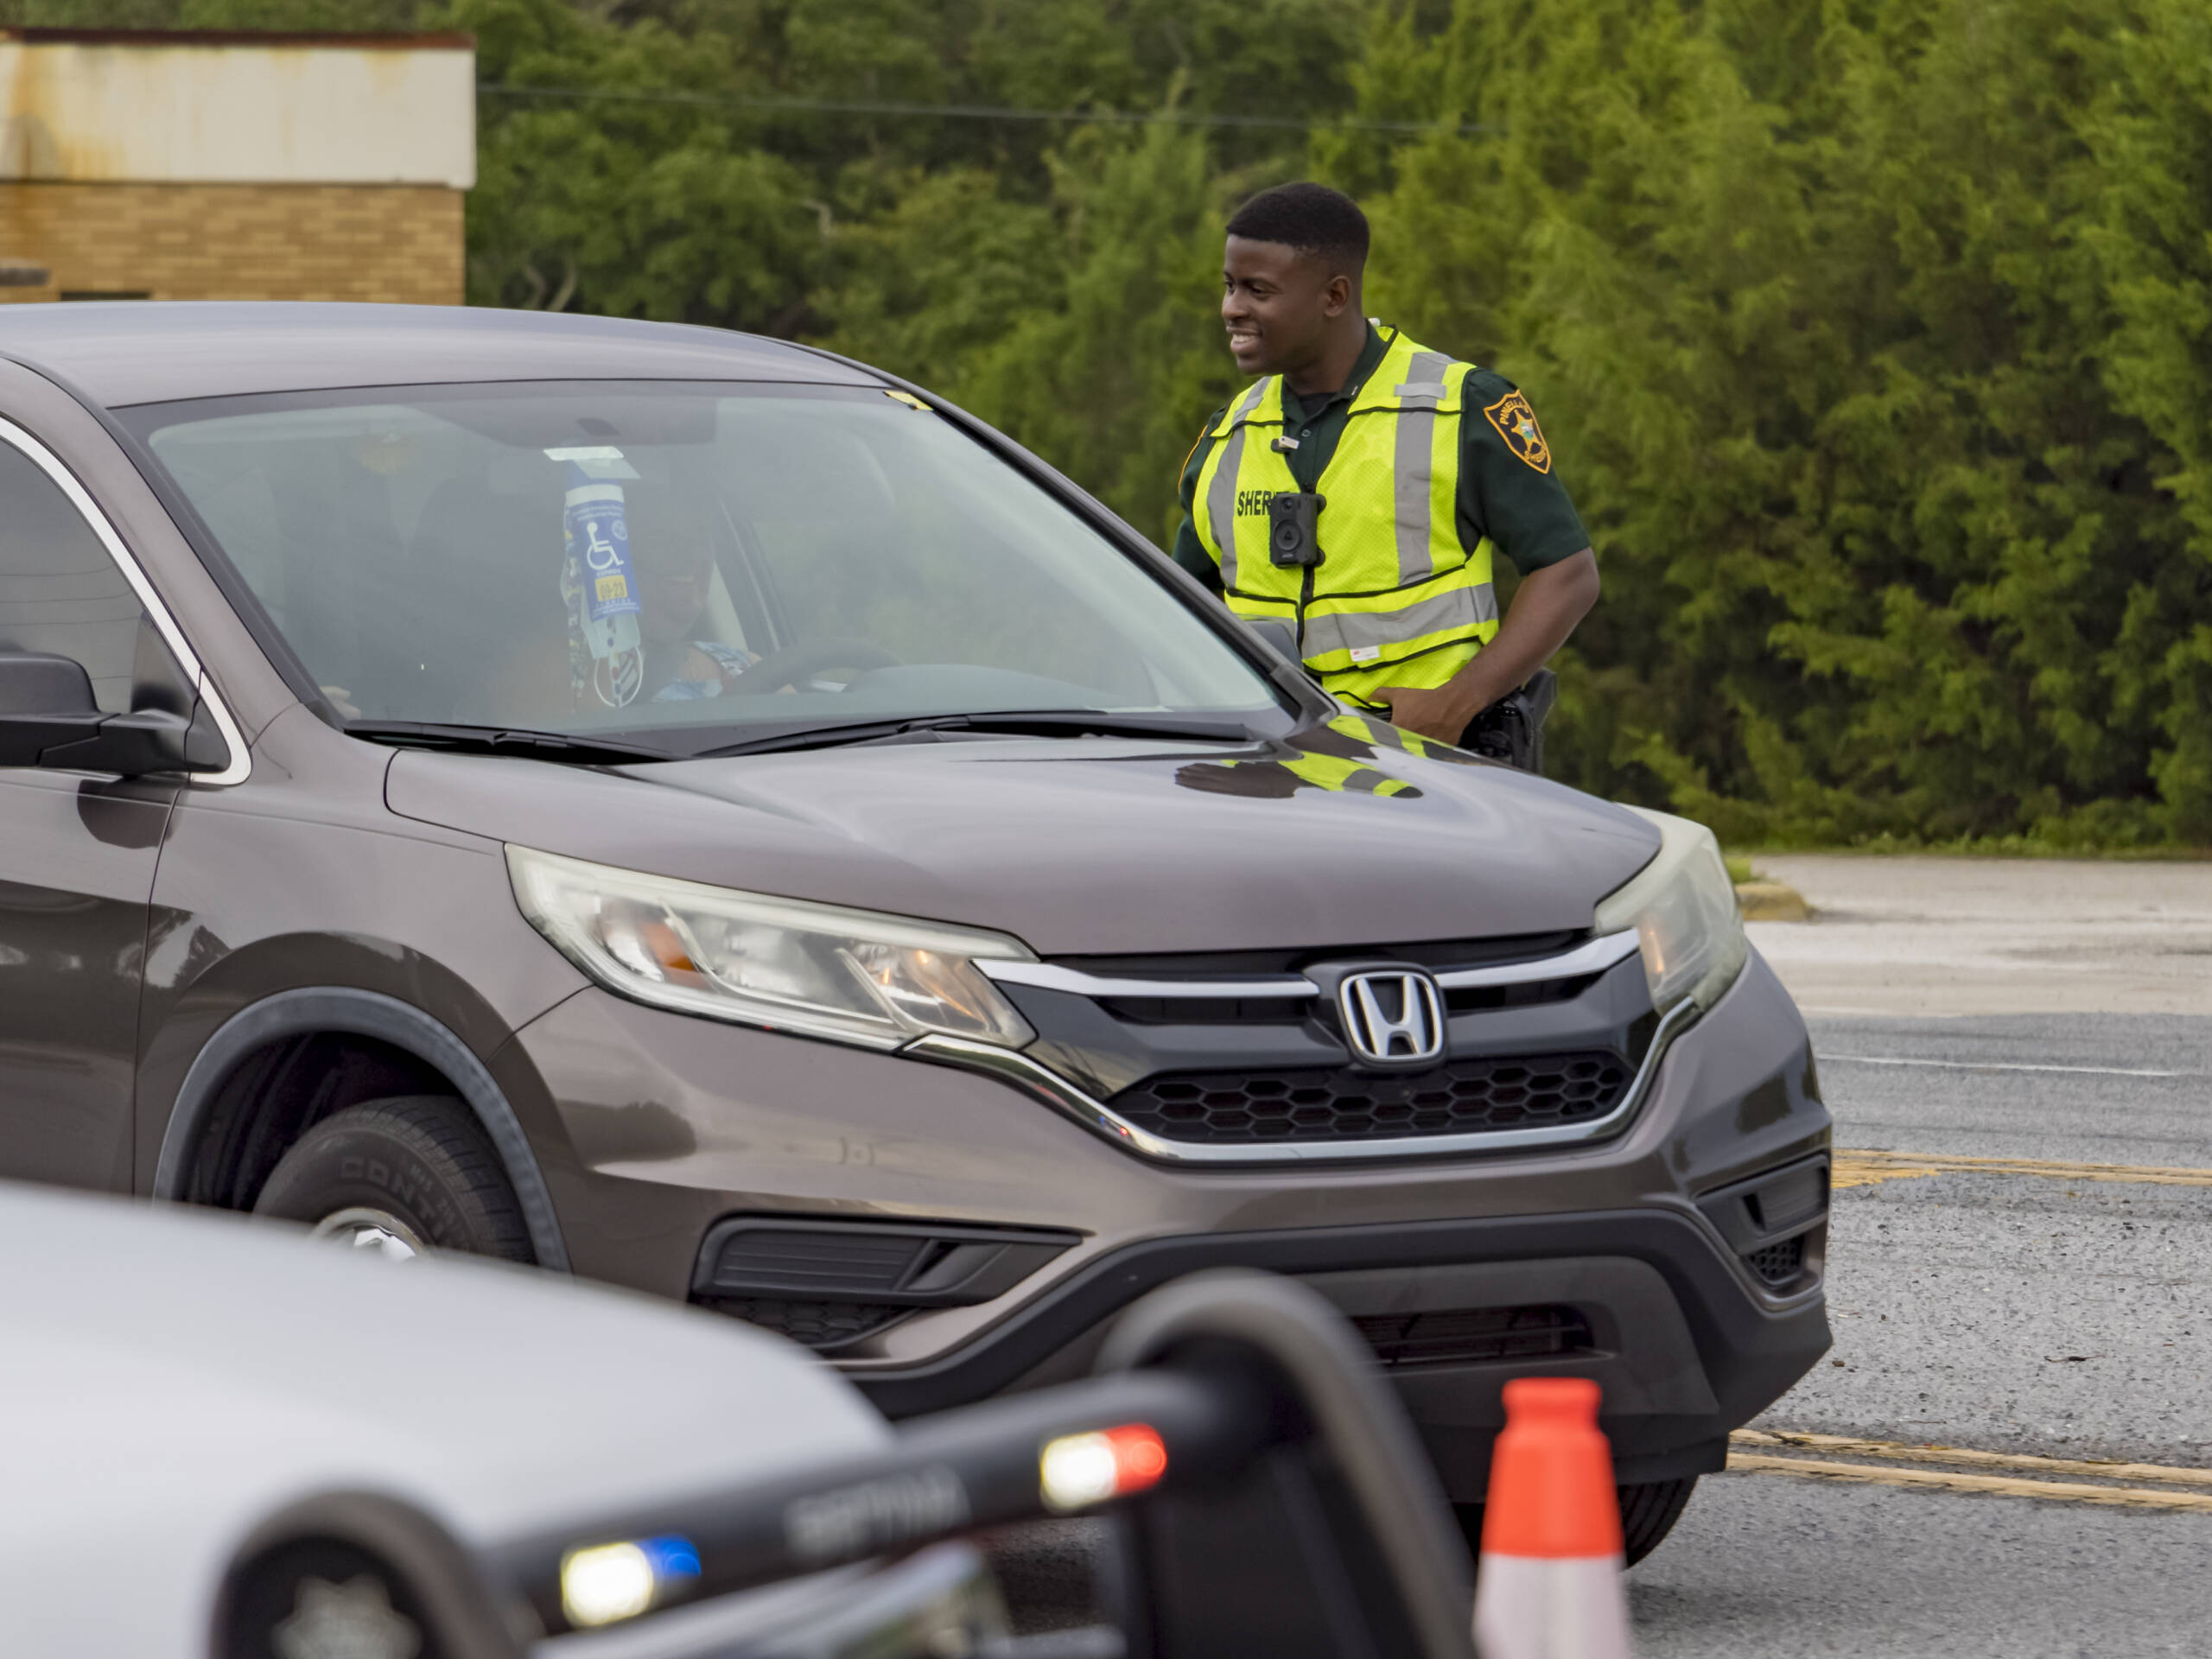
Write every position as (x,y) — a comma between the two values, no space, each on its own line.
(672,557)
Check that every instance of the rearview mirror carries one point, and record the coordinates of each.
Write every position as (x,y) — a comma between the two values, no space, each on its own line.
(49,718)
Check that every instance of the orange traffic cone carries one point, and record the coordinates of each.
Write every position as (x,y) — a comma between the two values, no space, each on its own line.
(1549,1587)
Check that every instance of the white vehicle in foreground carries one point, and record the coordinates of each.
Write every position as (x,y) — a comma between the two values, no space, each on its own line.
(225,1438)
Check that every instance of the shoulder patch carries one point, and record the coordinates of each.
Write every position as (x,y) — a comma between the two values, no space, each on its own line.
(1517,423)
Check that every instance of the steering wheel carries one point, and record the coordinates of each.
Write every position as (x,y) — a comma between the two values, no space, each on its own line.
(795,663)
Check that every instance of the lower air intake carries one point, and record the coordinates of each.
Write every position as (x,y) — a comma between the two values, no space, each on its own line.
(1468,1336)
(823,1326)
(1779,1263)
(830,1284)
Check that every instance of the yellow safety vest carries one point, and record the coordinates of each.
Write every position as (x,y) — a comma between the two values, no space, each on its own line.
(1396,599)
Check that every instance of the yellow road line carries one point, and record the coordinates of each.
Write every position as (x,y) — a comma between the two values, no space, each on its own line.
(1844,1445)
(1748,1454)
(1856,1168)
(1946,1480)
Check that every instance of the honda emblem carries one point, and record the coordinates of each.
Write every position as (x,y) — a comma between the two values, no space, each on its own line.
(1392,1016)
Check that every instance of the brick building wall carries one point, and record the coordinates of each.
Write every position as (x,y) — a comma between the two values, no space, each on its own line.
(180,241)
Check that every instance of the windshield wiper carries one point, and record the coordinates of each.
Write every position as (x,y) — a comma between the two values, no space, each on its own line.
(503,739)
(1043,722)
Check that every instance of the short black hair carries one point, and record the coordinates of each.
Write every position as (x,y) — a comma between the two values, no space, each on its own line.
(1311,218)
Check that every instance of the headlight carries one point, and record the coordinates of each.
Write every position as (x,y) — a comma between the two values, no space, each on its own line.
(853,975)
(1683,908)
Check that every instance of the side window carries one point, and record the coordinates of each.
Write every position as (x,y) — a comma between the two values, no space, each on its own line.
(59,590)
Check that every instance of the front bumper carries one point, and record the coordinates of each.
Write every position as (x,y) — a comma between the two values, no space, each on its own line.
(1684,1353)
(652,1126)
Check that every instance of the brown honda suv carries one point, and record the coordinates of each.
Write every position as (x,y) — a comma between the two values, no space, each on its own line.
(695,812)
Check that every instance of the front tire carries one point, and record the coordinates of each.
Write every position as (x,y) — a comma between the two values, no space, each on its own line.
(400,1176)
(1647,1515)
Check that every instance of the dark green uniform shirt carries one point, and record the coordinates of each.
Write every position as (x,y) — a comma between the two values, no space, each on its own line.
(1527,513)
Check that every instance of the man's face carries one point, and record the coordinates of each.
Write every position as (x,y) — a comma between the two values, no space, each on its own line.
(672,583)
(1278,304)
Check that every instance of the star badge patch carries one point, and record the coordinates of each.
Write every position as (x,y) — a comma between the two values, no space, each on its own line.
(1517,423)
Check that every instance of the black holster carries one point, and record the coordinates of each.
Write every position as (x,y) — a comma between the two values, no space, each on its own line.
(1512,729)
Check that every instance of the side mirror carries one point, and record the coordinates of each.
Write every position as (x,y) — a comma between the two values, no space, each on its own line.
(49,718)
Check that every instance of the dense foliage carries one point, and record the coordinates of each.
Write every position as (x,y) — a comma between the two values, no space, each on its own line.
(1874,336)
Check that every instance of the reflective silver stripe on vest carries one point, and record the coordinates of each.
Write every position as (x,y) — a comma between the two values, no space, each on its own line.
(1412,466)
(1221,498)
(1456,608)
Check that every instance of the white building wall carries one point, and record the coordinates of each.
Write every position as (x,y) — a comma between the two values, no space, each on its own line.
(231,113)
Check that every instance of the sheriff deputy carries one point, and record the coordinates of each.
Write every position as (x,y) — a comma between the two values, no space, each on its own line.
(1422,465)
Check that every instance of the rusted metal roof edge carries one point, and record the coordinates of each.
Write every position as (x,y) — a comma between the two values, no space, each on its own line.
(163,37)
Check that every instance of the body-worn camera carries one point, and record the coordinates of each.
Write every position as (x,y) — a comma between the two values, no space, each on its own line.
(1293,518)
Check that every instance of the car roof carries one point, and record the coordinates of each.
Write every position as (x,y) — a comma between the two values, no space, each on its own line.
(144,352)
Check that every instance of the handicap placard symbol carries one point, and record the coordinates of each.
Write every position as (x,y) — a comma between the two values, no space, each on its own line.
(595,545)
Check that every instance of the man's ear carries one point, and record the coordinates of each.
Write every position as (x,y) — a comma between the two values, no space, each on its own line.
(1339,294)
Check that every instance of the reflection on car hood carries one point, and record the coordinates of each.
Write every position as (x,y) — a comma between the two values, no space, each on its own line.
(1091,846)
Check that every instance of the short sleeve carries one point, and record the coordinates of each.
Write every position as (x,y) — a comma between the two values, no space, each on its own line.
(1509,487)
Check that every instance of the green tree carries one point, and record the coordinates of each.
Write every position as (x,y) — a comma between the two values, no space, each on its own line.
(1110,377)
(2148,222)
(650,199)
(1825,376)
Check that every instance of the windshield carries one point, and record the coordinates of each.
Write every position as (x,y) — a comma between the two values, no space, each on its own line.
(680,566)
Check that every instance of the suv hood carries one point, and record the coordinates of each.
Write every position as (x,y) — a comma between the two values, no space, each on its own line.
(1086,845)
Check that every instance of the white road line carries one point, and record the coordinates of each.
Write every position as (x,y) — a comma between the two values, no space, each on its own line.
(2005,1066)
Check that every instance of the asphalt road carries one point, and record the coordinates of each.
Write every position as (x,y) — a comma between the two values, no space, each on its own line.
(2045,1314)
